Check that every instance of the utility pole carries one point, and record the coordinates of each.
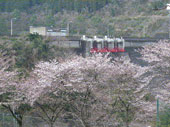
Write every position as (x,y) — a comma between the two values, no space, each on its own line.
(12,25)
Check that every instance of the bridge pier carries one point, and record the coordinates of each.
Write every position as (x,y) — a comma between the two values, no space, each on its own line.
(85,46)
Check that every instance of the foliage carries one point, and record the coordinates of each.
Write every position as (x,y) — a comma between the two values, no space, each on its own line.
(165,117)
(3,26)
(81,88)
(55,5)
(128,92)
(157,55)
(27,54)
(149,97)
(11,97)
(157,4)
(95,13)
(78,87)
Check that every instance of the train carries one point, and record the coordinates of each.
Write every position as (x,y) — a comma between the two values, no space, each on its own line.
(105,45)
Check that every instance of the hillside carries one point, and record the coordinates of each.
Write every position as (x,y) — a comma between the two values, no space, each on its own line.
(135,18)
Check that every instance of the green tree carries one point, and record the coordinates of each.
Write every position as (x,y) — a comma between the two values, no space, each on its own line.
(157,4)
(16,13)
(50,20)
(27,54)
(81,24)
(4,27)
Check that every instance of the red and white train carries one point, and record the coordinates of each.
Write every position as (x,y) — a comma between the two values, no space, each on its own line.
(104,45)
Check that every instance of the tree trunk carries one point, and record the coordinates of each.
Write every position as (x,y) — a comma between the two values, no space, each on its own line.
(19,120)
(127,124)
(51,124)
(85,123)
(19,123)
(127,117)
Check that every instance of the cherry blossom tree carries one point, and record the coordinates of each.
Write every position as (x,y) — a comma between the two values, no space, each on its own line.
(79,87)
(11,96)
(128,90)
(60,84)
(158,57)
(88,105)
(83,88)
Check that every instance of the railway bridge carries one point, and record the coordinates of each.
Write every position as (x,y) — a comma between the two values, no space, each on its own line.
(101,44)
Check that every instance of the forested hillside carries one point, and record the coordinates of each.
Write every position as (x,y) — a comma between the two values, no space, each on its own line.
(54,5)
(92,17)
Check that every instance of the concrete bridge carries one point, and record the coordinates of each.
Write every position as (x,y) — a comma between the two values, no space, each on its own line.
(83,43)
(139,42)
(75,41)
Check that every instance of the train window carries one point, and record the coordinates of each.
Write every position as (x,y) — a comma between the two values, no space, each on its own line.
(106,44)
(95,44)
(110,45)
(99,46)
(120,45)
(116,45)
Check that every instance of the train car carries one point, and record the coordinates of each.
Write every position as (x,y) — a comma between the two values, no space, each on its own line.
(104,45)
